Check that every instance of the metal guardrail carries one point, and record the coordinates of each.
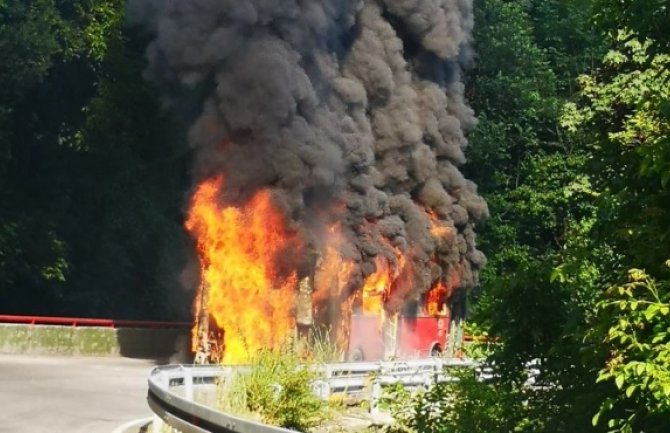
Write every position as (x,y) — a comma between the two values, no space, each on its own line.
(182,412)
(85,321)
(187,415)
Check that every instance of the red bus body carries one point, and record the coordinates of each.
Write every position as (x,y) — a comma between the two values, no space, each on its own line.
(411,337)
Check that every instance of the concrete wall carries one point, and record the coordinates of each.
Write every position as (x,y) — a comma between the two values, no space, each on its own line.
(92,341)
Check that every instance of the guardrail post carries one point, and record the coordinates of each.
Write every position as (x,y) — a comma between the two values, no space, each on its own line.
(321,389)
(375,396)
(188,383)
(157,423)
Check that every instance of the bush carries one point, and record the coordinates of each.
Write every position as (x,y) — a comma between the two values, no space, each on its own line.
(632,322)
(277,390)
(467,405)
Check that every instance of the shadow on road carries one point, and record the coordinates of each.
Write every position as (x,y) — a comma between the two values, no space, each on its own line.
(163,346)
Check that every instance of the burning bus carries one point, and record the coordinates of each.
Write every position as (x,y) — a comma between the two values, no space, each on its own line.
(327,144)
(402,337)
(428,327)
(422,329)
(260,285)
(419,331)
(241,308)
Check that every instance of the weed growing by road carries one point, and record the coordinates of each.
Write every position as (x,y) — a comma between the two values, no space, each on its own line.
(275,390)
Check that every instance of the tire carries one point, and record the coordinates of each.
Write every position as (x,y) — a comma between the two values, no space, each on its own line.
(356,355)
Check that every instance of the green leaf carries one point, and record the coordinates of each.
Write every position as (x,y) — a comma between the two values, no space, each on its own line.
(619,381)
(651,311)
(661,336)
(637,275)
(595,419)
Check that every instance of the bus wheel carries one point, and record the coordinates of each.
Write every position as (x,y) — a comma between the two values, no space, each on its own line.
(436,350)
(356,355)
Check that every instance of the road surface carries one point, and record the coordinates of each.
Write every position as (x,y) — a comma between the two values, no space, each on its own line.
(71,395)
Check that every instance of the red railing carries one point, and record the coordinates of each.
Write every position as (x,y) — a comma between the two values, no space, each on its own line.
(83,321)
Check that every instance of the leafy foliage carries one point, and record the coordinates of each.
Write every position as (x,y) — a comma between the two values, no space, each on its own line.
(625,116)
(647,18)
(585,202)
(530,171)
(470,405)
(633,322)
(92,172)
(278,389)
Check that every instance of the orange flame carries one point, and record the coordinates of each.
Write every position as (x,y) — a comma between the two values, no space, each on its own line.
(435,299)
(330,282)
(376,288)
(333,272)
(437,228)
(238,248)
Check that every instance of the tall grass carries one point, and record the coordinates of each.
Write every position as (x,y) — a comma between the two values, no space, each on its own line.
(276,389)
(319,348)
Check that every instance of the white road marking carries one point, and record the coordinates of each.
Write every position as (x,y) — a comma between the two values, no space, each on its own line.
(129,424)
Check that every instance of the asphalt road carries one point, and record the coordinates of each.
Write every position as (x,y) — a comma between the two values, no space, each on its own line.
(71,395)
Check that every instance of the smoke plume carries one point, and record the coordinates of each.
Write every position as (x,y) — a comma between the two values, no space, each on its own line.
(349,111)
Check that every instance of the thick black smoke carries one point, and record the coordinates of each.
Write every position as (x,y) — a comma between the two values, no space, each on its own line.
(349,110)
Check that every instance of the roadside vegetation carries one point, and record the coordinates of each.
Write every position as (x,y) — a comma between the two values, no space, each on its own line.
(572,153)
(275,390)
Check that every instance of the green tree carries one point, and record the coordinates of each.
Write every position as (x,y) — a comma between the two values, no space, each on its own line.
(541,275)
(530,172)
(576,180)
(624,114)
(647,19)
(37,40)
(632,321)
(605,212)
(92,171)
